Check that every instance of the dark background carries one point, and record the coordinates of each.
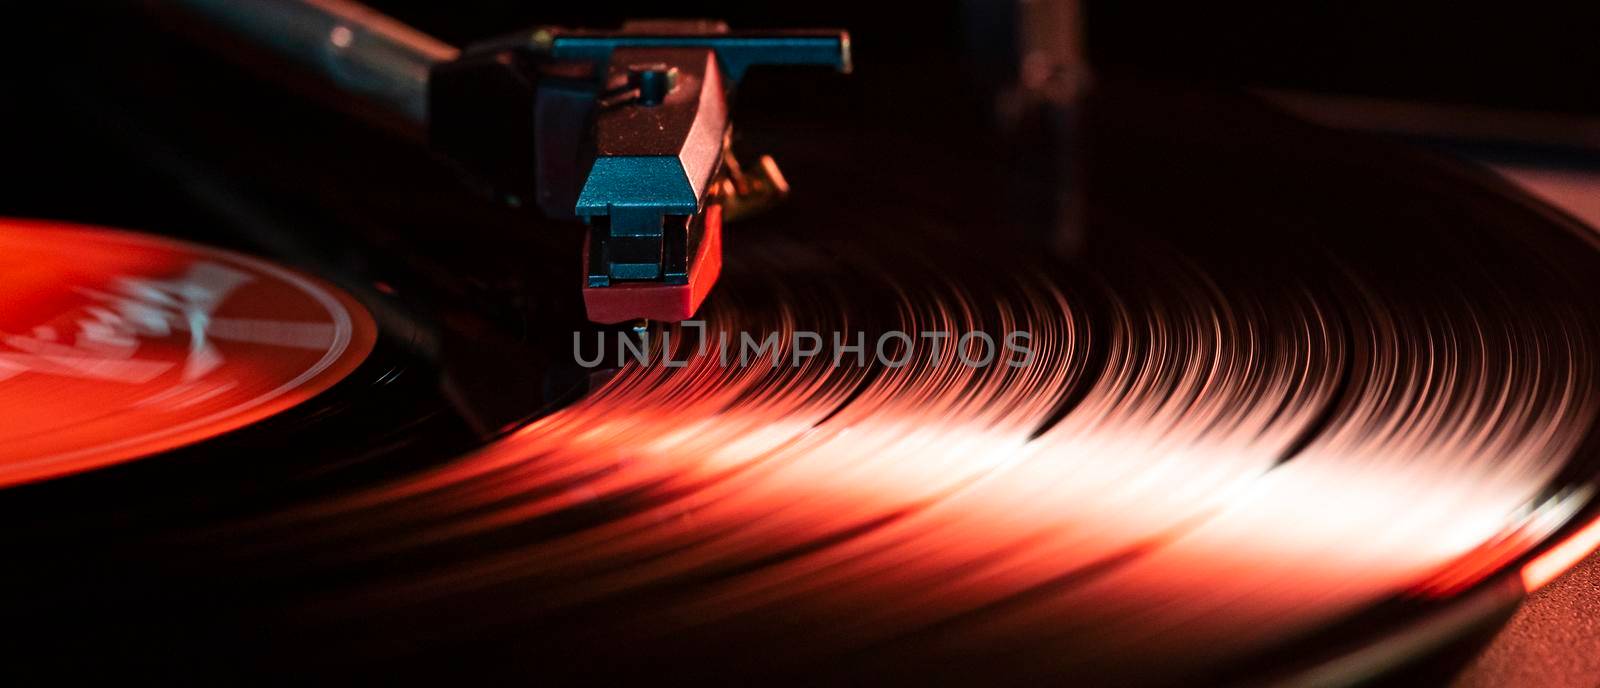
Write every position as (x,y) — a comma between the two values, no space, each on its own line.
(1533,55)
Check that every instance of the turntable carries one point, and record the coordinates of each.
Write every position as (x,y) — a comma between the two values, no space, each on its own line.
(685,350)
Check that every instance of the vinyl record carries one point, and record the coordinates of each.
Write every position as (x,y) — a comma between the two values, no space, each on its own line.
(1254,402)
(119,345)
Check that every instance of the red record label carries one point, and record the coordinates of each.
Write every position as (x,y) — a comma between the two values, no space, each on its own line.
(115,345)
